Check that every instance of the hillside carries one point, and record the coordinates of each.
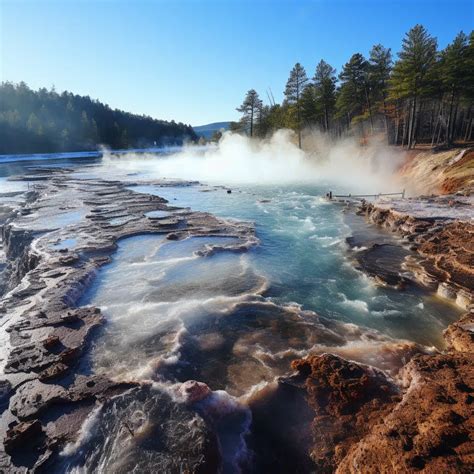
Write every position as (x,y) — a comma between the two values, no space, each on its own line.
(45,121)
(208,130)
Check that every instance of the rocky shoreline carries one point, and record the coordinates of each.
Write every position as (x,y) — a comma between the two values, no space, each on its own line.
(47,391)
(423,418)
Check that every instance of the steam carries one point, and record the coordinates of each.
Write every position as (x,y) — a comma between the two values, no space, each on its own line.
(237,159)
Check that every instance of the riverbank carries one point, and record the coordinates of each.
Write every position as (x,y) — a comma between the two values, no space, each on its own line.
(422,418)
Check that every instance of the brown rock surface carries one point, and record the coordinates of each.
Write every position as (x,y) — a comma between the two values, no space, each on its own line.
(459,336)
(347,399)
(47,333)
(364,424)
(431,429)
(442,233)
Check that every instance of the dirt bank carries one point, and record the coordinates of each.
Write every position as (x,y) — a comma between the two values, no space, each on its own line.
(438,172)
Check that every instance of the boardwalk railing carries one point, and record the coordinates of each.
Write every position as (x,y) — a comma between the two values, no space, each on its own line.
(330,195)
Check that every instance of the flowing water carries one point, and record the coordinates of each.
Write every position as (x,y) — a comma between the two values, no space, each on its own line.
(235,321)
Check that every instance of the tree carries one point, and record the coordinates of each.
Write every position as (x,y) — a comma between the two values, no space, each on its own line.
(410,78)
(310,110)
(380,63)
(250,108)
(325,90)
(294,88)
(45,121)
(354,95)
(455,76)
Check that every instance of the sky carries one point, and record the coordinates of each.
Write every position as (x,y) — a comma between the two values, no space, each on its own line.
(194,60)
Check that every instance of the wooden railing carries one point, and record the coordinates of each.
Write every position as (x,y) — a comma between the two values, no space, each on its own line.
(330,195)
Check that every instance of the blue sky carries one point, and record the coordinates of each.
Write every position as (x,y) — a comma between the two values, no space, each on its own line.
(193,60)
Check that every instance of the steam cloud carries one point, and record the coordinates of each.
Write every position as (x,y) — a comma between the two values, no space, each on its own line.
(237,159)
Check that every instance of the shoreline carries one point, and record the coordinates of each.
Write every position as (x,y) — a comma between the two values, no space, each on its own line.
(424,418)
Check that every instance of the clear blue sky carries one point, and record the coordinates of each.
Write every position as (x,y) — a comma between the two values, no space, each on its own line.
(193,60)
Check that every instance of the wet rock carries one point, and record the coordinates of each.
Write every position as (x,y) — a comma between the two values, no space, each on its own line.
(53,372)
(5,392)
(48,332)
(442,231)
(21,434)
(431,428)
(152,433)
(460,335)
(33,397)
(345,397)
(281,435)
(363,422)
(193,391)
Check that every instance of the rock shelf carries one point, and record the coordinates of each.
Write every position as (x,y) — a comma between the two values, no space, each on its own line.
(47,390)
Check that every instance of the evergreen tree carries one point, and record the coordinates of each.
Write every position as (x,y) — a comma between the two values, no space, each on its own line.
(325,90)
(353,99)
(45,121)
(455,76)
(250,108)
(294,88)
(310,110)
(411,79)
(380,62)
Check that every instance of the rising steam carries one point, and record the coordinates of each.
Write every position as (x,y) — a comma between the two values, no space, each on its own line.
(237,159)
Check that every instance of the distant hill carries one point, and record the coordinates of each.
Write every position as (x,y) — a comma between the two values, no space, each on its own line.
(44,121)
(208,130)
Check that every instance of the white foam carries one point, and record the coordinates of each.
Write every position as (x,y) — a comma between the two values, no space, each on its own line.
(356,304)
(86,433)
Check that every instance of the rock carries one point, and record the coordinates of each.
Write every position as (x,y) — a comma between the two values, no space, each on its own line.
(156,434)
(52,372)
(49,332)
(5,392)
(364,423)
(194,391)
(460,335)
(443,234)
(430,429)
(345,397)
(33,397)
(21,434)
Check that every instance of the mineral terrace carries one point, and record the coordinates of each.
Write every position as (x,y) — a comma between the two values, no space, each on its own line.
(47,390)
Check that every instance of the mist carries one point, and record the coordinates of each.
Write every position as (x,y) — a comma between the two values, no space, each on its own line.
(238,159)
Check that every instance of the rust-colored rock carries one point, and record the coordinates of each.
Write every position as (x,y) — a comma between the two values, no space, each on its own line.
(363,424)
(432,428)
(460,335)
(347,398)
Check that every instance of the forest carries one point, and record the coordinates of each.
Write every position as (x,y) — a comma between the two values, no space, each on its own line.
(425,95)
(45,121)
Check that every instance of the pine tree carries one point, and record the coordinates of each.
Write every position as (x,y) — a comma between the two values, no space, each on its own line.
(455,76)
(354,95)
(411,78)
(310,111)
(294,88)
(325,90)
(380,62)
(250,108)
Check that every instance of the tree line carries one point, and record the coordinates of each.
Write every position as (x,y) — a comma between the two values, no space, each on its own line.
(45,121)
(424,96)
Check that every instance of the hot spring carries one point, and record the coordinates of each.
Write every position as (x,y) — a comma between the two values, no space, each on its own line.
(236,320)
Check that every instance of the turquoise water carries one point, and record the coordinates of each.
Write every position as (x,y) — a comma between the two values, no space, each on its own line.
(303,254)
